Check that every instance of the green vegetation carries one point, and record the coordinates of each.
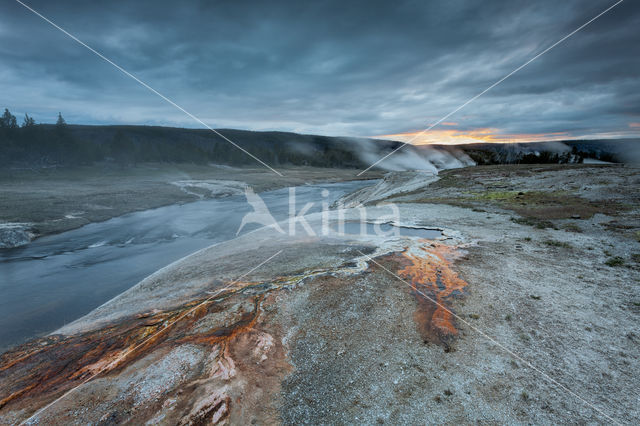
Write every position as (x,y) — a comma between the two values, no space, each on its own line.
(554,243)
(496,195)
(533,208)
(536,223)
(448,180)
(538,207)
(614,261)
(524,337)
(533,199)
(572,227)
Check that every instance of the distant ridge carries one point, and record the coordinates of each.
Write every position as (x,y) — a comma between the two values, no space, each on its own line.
(68,145)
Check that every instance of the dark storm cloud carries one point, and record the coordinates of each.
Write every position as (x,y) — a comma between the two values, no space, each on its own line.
(333,67)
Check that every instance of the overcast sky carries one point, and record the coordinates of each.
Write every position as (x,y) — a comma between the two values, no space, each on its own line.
(330,67)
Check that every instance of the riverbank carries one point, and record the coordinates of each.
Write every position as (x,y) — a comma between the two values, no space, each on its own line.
(53,271)
(536,279)
(38,202)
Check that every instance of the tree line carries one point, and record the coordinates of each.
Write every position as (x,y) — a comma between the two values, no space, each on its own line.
(41,145)
(9,121)
(60,144)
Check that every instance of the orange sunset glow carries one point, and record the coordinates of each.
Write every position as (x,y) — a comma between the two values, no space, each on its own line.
(483,135)
(493,135)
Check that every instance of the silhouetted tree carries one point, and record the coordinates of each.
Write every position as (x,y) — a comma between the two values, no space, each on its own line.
(60,122)
(28,121)
(8,120)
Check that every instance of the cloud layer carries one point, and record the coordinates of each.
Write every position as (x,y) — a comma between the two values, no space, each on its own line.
(331,67)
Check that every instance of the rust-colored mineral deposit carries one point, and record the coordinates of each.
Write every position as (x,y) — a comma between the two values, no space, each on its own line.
(434,284)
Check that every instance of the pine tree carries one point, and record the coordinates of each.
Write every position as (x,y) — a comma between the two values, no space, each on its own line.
(8,120)
(60,122)
(28,121)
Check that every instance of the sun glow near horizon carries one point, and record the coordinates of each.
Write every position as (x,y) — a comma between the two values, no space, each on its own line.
(493,135)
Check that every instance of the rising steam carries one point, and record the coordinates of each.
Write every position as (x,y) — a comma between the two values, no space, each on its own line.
(409,157)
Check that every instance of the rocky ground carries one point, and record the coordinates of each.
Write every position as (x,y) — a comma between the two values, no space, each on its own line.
(36,202)
(526,310)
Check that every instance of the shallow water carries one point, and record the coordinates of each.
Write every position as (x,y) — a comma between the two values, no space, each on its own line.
(59,278)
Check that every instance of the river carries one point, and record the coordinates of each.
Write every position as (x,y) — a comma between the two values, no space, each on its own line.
(59,278)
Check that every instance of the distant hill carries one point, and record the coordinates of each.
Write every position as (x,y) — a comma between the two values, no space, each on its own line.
(77,144)
(569,151)
(46,145)
(65,145)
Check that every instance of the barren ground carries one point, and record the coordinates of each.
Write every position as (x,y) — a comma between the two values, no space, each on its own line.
(537,319)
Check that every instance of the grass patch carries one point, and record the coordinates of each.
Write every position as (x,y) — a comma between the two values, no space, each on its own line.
(572,227)
(468,188)
(614,261)
(536,223)
(496,196)
(448,180)
(545,205)
(554,243)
